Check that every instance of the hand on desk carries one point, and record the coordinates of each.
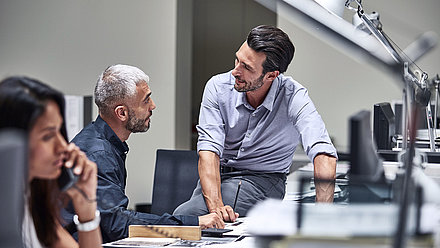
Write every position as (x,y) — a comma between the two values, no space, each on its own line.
(226,213)
(211,220)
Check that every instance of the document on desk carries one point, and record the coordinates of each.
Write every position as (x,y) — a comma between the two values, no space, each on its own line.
(239,227)
(142,242)
(211,242)
(247,242)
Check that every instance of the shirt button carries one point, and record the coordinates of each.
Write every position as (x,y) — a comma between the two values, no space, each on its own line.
(242,149)
(253,114)
(248,135)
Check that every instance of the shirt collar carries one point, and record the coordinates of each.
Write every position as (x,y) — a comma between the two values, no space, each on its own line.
(111,136)
(270,97)
(241,96)
(241,99)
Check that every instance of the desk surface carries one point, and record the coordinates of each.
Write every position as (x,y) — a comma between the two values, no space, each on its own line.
(238,237)
(246,242)
(288,226)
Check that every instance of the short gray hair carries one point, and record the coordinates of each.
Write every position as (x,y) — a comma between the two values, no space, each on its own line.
(116,84)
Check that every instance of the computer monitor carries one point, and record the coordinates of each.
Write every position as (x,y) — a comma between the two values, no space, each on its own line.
(363,156)
(13,157)
(383,126)
(366,175)
(421,124)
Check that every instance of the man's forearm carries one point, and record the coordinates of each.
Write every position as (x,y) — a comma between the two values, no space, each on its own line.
(209,173)
(325,174)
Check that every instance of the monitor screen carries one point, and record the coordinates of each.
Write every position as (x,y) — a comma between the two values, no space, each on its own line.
(422,124)
(383,126)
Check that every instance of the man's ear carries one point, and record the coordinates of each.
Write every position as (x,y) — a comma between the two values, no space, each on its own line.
(121,112)
(272,75)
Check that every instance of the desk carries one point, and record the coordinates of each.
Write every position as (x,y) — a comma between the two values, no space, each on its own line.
(238,237)
(277,223)
(332,242)
(344,225)
(247,242)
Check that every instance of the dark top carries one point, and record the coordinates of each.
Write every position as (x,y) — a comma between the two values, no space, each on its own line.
(103,147)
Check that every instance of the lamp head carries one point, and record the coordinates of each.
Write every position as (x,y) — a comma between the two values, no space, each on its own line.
(334,6)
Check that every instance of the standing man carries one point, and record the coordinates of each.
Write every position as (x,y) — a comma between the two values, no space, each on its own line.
(251,120)
(125,106)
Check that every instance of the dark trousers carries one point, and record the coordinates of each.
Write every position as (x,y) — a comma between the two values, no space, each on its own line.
(255,187)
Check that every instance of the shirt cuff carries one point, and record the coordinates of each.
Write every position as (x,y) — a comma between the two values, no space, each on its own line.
(322,148)
(208,146)
(188,220)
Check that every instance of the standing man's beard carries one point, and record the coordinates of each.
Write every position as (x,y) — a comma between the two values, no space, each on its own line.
(137,125)
(256,84)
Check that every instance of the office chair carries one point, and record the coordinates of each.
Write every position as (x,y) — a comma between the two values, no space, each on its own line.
(13,157)
(175,178)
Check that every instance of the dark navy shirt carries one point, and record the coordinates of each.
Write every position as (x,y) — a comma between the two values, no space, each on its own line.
(103,147)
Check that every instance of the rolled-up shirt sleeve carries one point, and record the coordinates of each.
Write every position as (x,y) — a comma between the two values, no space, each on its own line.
(314,136)
(211,128)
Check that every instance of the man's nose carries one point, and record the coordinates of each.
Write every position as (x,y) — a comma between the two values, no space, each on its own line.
(235,72)
(153,105)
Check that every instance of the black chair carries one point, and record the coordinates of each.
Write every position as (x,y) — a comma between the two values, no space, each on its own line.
(175,178)
(13,177)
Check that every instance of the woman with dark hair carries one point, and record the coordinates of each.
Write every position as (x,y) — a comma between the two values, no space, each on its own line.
(38,109)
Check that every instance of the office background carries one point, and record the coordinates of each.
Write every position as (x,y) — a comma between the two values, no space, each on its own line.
(180,44)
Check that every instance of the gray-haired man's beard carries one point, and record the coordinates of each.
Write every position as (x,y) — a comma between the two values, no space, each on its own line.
(136,125)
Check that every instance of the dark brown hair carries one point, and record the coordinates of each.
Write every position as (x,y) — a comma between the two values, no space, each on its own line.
(22,102)
(275,44)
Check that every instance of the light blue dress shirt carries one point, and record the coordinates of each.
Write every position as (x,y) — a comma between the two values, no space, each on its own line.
(265,138)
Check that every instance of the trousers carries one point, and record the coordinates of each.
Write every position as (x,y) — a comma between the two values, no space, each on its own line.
(255,187)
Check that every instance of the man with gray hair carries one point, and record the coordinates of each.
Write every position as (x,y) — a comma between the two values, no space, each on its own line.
(123,97)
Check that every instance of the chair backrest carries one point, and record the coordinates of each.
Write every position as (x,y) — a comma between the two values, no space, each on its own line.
(175,178)
(13,164)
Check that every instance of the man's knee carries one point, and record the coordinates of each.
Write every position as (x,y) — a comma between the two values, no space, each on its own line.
(191,207)
(180,209)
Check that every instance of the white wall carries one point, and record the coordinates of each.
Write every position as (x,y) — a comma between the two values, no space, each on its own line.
(67,44)
(340,85)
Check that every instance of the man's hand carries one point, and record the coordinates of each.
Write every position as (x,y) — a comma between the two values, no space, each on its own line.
(325,174)
(226,213)
(211,220)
